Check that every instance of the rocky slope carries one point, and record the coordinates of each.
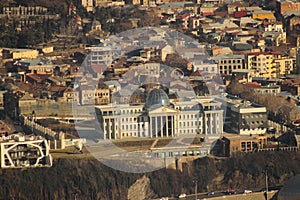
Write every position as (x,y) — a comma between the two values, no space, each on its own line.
(73,178)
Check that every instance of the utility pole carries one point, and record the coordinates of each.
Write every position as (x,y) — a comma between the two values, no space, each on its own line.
(266,193)
(196,189)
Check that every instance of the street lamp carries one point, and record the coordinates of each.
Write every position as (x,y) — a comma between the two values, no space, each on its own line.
(266,192)
(196,183)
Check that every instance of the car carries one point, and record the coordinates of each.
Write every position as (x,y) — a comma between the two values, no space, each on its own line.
(247,191)
(231,191)
(182,196)
(210,193)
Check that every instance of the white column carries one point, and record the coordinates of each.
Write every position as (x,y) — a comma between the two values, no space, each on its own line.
(167,127)
(172,125)
(155,131)
(161,126)
(109,129)
(150,124)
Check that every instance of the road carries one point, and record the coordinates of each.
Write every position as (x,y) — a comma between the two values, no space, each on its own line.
(222,194)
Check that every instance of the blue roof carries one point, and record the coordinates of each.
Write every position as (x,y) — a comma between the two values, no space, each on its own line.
(157,97)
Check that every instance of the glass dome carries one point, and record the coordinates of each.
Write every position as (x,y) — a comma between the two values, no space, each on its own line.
(157,97)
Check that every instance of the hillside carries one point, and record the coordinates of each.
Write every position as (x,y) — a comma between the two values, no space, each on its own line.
(86,178)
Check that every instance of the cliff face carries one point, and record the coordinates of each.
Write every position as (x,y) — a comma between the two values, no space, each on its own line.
(87,178)
(68,179)
(141,190)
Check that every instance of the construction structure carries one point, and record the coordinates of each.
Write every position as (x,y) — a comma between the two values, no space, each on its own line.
(22,151)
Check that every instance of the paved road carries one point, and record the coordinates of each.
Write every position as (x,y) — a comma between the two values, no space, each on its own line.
(202,196)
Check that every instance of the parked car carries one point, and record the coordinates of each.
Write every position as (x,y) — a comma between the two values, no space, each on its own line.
(231,191)
(164,198)
(247,191)
(182,196)
(211,193)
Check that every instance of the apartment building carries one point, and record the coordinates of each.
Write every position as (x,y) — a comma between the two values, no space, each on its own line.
(241,143)
(88,5)
(262,65)
(283,6)
(270,65)
(24,11)
(9,53)
(208,66)
(227,63)
(100,56)
(268,90)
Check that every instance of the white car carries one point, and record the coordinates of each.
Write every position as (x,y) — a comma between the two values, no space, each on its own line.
(247,191)
(182,196)
(164,198)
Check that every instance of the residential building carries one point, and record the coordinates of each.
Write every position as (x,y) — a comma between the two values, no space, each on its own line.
(88,5)
(87,95)
(268,90)
(37,66)
(22,151)
(285,64)
(134,2)
(100,56)
(96,26)
(242,75)
(2,98)
(293,22)
(273,26)
(25,11)
(270,65)
(297,67)
(213,2)
(45,49)
(284,6)
(102,95)
(8,53)
(70,95)
(208,66)
(194,23)
(263,14)
(274,38)
(183,20)
(208,10)
(231,144)
(230,62)
(262,65)
(171,7)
